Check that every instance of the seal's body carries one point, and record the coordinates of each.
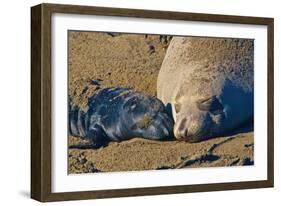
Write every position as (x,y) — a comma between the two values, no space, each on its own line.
(116,114)
(208,82)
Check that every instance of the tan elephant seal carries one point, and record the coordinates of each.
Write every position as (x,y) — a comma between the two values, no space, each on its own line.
(209,85)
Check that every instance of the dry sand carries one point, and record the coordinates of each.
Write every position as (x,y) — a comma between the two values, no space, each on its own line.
(134,61)
(124,60)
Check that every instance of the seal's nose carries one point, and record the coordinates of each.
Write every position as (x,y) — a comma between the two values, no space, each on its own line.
(183,133)
(181,130)
(166,123)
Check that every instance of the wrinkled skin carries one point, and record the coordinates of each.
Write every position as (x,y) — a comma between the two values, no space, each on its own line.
(117,114)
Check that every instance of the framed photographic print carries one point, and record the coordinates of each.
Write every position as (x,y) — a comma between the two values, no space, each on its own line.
(132,102)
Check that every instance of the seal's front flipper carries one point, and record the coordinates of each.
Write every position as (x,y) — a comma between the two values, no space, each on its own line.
(97,135)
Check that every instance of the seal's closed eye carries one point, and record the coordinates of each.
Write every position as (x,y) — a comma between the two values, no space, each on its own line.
(211,104)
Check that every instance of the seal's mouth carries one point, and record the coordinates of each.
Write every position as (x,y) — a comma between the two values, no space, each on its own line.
(197,136)
(165,123)
(162,126)
(193,128)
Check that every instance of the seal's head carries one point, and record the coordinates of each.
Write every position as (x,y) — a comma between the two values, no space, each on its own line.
(146,116)
(200,121)
(123,114)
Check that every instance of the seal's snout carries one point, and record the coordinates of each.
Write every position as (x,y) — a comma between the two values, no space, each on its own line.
(192,128)
(165,124)
(182,133)
(181,129)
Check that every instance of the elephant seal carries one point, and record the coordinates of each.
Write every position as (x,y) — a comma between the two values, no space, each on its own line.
(116,114)
(209,85)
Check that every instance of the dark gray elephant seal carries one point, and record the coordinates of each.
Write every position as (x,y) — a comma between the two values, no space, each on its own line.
(209,85)
(116,114)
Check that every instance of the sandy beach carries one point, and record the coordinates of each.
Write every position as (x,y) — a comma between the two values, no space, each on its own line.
(133,61)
